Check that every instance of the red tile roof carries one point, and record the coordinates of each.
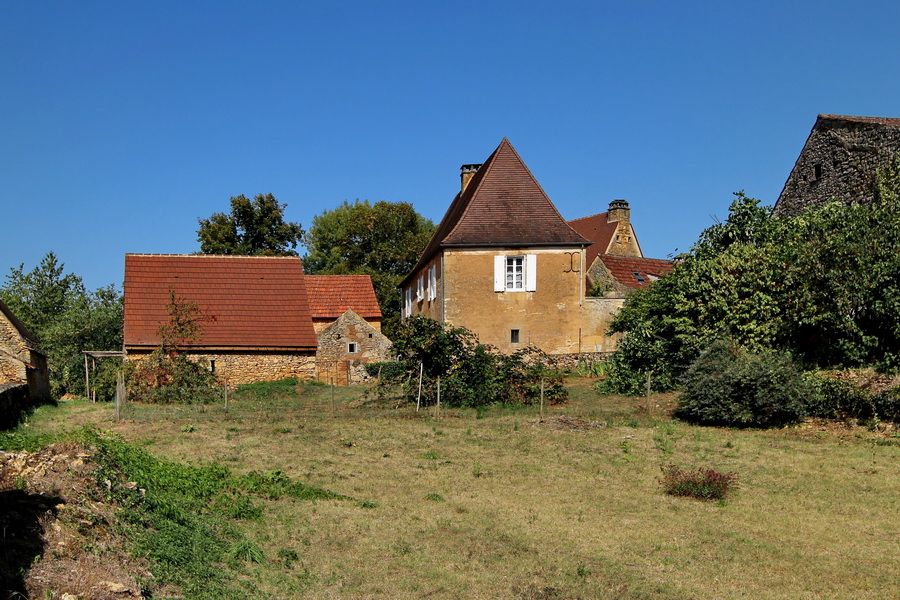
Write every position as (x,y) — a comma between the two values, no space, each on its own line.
(256,301)
(623,269)
(503,206)
(330,296)
(598,231)
(889,121)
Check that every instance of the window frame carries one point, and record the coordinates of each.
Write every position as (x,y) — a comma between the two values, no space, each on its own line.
(522,265)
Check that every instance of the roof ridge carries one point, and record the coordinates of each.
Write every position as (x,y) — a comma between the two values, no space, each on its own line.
(177,255)
(891,121)
(606,212)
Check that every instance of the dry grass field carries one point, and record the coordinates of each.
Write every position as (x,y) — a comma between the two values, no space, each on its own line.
(498,504)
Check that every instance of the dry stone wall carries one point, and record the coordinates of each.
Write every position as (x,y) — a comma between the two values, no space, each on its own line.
(235,368)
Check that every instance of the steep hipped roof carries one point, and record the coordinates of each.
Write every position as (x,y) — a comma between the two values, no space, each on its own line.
(254,301)
(27,337)
(598,231)
(623,269)
(330,296)
(503,206)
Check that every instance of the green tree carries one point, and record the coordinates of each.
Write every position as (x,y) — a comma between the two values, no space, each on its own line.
(64,317)
(383,240)
(254,227)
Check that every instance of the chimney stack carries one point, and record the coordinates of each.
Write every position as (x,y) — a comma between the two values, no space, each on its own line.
(466,173)
(618,211)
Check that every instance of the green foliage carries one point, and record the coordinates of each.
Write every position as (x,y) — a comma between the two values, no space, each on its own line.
(383,240)
(162,378)
(727,385)
(388,369)
(824,286)
(180,517)
(66,319)
(254,227)
(471,374)
(833,398)
(702,484)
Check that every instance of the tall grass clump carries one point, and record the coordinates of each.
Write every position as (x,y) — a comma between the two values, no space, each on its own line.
(700,483)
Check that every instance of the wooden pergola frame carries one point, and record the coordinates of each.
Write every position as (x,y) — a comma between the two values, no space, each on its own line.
(94,355)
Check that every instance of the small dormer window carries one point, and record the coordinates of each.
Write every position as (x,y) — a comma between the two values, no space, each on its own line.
(639,277)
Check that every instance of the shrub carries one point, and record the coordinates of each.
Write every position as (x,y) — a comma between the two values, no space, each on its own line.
(471,374)
(388,369)
(700,483)
(730,386)
(172,379)
(832,398)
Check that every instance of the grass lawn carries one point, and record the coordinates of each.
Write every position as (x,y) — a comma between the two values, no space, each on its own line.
(500,505)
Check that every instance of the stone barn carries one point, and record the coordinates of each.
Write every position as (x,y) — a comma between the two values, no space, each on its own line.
(347,320)
(258,325)
(21,361)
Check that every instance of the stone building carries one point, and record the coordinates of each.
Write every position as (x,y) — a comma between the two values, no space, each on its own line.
(347,320)
(839,161)
(506,265)
(21,361)
(257,323)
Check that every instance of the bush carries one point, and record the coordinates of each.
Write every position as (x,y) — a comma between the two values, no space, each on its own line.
(833,398)
(471,374)
(730,386)
(172,379)
(703,484)
(389,369)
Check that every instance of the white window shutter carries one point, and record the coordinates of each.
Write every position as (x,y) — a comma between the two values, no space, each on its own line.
(530,272)
(432,283)
(499,273)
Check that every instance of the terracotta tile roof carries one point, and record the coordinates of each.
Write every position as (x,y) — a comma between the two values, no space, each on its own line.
(889,121)
(623,269)
(503,206)
(598,231)
(330,296)
(256,301)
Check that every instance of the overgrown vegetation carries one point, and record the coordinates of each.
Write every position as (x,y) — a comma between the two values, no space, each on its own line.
(823,286)
(167,376)
(253,227)
(65,318)
(471,373)
(700,483)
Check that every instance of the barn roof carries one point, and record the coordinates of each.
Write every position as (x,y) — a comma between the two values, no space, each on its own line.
(503,206)
(330,296)
(252,301)
(635,272)
(888,121)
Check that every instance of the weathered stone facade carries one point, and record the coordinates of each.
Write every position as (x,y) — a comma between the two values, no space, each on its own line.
(20,360)
(239,367)
(839,161)
(346,346)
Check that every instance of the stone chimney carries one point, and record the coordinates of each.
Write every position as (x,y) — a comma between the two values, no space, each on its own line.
(618,211)
(466,173)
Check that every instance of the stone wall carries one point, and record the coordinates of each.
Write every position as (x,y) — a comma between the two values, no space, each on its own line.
(235,368)
(335,362)
(14,353)
(839,161)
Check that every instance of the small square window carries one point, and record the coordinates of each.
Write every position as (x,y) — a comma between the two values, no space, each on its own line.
(351,348)
(370,336)
(513,336)
(212,366)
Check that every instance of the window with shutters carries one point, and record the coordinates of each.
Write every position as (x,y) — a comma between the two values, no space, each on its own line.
(432,282)
(515,272)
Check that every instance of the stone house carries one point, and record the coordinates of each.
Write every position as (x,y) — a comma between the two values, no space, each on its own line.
(258,325)
(839,161)
(347,320)
(506,265)
(21,361)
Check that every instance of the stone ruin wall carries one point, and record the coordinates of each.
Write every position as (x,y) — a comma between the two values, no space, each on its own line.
(847,155)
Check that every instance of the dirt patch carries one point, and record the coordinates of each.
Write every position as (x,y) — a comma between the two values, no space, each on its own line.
(59,540)
(567,423)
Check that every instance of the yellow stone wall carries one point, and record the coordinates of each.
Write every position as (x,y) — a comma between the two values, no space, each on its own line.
(236,368)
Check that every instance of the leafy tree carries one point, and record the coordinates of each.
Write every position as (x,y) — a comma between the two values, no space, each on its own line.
(383,240)
(823,286)
(254,227)
(64,317)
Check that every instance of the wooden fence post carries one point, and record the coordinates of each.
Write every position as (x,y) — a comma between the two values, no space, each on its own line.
(87,378)
(419,398)
(120,393)
(438,405)
(542,398)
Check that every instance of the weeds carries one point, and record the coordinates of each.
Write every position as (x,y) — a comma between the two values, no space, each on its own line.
(703,484)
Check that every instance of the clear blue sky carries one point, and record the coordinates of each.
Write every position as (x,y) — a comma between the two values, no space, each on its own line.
(121,123)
